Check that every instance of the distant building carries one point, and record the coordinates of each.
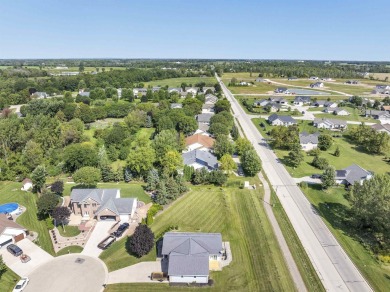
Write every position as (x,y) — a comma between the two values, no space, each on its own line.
(382,116)
(176,105)
(330,124)
(283,90)
(277,120)
(340,112)
(313,78)
(308,141)
(317,85)
(352,174)
(200,142)
(260,103)
(278,99)
(26,184)
(381,128)
(302,100)
(352,82)
(260,80)
(200,159)
(39,95)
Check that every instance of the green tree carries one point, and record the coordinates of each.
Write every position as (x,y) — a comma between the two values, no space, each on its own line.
(38,177)
(325,142)
(79,155)
(187,125)
(111,92)
(295,157)
(337,152)
(152,180)
(32,155)
(243,145)
(171,162)
(87,176)
(166,140)
(46,203)
(162,194)
(141,159)
(227,163)
(328,177)
(222,105)
(223,146)
(250,162)
(3,267)
(127,94)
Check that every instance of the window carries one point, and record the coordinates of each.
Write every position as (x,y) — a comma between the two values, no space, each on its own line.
(85,205)
(93,204)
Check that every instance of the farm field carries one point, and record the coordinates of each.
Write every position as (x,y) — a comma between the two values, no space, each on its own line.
(334,209)
(349,155)
(176,82)
(238,214)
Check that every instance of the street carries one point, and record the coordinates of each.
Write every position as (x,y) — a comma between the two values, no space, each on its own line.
(334,267)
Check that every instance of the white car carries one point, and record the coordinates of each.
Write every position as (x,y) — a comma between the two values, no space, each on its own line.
(21,284)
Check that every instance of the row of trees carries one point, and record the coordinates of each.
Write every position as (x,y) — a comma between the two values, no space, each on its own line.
(370,140)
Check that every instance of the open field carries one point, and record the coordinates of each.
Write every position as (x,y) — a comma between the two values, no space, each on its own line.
(128,190)
(8,281)
(334,209)
(176,82)
(69,249)
(381,76)
(238,214)
(10,192)
(349,155)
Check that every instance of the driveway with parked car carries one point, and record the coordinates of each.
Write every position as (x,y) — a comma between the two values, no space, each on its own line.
(38,257)
(100,232)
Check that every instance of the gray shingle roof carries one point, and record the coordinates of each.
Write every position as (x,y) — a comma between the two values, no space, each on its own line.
(204,158)
(352,174)
(284,119)
(204,127)
(211,98)
(305,138)
(189,252)
(330,121)
(204,118)
(84,94)
(302,99)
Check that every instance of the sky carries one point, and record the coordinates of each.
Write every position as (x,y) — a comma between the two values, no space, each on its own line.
(216,29)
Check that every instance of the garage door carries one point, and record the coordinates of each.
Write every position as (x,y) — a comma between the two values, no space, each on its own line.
(4,243)
(19,237)
(124,218)
(108,218)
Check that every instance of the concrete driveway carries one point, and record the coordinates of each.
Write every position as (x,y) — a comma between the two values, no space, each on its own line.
(138,273)
(100,231)
(307,179)
(73,272)
(38,257)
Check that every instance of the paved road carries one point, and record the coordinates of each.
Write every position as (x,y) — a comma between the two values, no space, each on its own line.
(138,273)
(334,267)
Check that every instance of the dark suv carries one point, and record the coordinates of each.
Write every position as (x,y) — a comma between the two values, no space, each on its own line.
(14,250)
(121,229)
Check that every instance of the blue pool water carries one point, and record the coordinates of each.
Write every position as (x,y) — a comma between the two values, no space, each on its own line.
(8,208)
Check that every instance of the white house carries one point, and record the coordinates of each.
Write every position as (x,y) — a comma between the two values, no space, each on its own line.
(340,112)
(210,99)
(10,231)
(26,184)
(351,174)
(191,256)
(308,141)
(200,159)
(277,120)
(330,124)
(317,85)
(301,100)
(199,141)
(192,90)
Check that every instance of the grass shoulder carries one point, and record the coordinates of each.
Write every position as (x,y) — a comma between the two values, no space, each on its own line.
(69,249)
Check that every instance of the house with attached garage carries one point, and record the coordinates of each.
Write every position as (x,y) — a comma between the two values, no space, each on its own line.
(283,90)
(308,141)
(382,128)
(199,141)
(302,100)
(208,108)
(204,118)
(200,159)
(351,174)
(139,91)
(278,100)
(191,90)
(273,107)
(260,103)
(191,256)
(317,85)
(210,99)
(340,112)
(382,116)
(277,120)
(10,231)
(208,90)
(102,204)
(175,89)
(330,124)
(382,86)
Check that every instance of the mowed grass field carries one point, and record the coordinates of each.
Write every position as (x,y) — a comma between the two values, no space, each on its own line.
(349,155)
(334,209)
(238,214)
(176,82)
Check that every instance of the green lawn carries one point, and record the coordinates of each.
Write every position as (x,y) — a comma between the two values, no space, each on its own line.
(10,192)
(349,154)
(8,281)
(176,82)
(238,214)
(355,115)
(68,231)
(334,209)
(70,249)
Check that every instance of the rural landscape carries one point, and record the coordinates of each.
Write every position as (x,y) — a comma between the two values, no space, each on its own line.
(148,146)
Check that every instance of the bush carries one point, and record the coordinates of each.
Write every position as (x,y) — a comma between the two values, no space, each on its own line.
(314,152)
(320,162)
(49,223)
(141,242)
(303,185)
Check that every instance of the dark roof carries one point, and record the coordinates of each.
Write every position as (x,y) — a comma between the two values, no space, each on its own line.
(204,158)
(189,252)
(302,99)
(285,119)
(305,138)
(5,222)
(352,174)
(204,118)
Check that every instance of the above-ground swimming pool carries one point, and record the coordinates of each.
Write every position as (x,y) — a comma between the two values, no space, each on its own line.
(8,208)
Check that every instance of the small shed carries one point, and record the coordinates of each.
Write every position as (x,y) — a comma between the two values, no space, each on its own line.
(26,184)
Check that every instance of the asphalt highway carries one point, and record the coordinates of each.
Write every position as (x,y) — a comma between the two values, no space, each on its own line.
(335,269)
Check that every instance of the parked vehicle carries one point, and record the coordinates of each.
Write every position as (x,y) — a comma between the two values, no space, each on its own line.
(21,284)
(105,243)
(121,229)
(315,176)
(14,250)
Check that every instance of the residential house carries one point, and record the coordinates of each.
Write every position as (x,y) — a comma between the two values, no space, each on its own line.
(210,99)
(192,90)
(139,91)
(208,90)
(278,99)
(381,128)
(330,124)
(260,103)
(175,89)
(39,95)
(208,108)
(380,91)
(10,231)
(102,204)
(330,104)
(319,103)
(317,85)
(302,100)
(277,120)
(327,79)
(84,93)
(26,184)
(176,105)
(283,90)
(340,112)
(244,83)
(352,82)
(308,141)
(156,88)
(385,108)
(204,118)
(382,116)
(313,78)
(260,80)
(190,256)
(200,142)
(382,86)
(273,107)
(200,159)
(328,110)
(351,174)
(202,129)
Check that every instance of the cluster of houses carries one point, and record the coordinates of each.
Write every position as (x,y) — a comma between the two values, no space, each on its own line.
(200,145)
(180,91)
(381,89)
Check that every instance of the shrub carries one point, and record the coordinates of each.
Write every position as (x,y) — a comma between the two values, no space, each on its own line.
(320,162)
(303,185)
(49,223)
(141,242)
